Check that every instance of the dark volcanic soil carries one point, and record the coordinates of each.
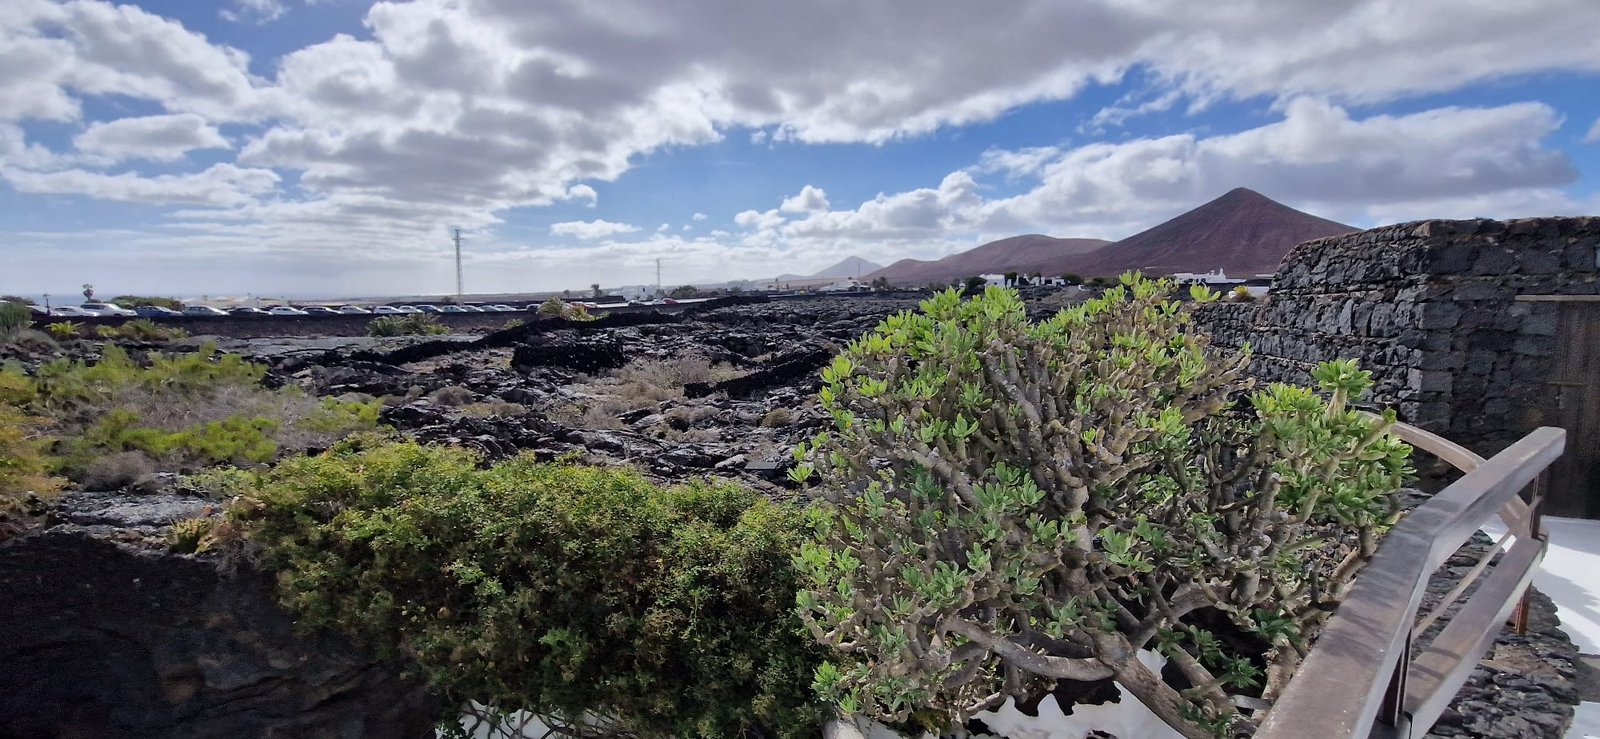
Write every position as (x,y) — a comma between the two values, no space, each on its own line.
(726,391)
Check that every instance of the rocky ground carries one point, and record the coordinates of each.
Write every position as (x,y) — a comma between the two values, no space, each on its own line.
(726,391)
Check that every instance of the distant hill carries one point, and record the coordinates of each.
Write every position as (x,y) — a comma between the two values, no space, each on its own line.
(850,267)
(1243,232)
(1024,254)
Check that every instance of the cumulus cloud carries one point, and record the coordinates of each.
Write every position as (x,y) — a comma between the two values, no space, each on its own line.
(759,220)
(156,137)
(700,216)
(591,229)
(809,200)
(1594,134)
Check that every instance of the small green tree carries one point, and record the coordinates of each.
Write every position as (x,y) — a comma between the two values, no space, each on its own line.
(975,284)
(595,289)
(1011,279)
(685,291)
(1071,278)
(1015,503)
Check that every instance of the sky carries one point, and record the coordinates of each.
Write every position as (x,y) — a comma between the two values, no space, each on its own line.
(329,147)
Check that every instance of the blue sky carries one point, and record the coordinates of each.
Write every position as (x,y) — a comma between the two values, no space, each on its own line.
(328,146)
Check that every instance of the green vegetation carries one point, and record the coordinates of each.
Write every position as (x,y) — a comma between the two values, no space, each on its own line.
(65,330)
(134,301)
(563,590)
(1016,502)
(684,291)
(177,412)
(25,480)
(557,308)
(14,319)
(411,324)
(141,330)
(192,535)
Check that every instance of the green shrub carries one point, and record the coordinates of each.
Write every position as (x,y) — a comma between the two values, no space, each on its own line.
(141,330)
(14,318)
(134,301)
(65,329)
(1017,502)
(191,535)
(182,411)
(557,589)
(411,324)
(25,480)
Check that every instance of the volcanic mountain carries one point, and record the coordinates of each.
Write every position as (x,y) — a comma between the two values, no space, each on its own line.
(1244,233)
(1024,254)
(849,267)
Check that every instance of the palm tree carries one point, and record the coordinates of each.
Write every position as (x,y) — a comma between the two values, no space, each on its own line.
(596,288)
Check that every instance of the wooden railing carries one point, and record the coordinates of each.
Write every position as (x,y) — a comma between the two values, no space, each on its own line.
(1360,680)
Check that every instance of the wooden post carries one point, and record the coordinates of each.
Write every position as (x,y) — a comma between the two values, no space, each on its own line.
(1520,617)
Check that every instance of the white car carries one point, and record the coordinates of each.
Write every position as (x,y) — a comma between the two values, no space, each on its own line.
(387,310)
(408,309)
(285,310)
(72,311)
(354,310)
(108,309)
(203,310)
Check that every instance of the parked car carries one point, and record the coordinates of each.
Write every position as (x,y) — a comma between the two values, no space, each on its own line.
(353,310)
(39,310)
(453,309)
(409,309)
(429,309)
(108,309)
(155,311)
(286,310)
(387,310)
(502,308)
(73,311)
(320,310)
(203,310)
(247,312)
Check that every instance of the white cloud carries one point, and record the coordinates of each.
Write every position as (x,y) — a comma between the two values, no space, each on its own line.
(52,54)
(1594,134)
(462,111)
(253,11)
(156,137)
(591,229)
(809,200)
(700,216)
(221,185)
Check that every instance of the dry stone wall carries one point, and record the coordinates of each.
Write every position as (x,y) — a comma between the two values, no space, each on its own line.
(1432,308)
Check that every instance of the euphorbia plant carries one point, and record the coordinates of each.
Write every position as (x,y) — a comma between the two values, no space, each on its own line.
(1014,503)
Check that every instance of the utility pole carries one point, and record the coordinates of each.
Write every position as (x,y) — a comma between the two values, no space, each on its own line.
(458,264)
(658,275)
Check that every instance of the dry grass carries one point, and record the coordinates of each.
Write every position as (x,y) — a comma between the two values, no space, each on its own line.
(639,385)
(777,418)
(493,409)
(453,396)
(120,471)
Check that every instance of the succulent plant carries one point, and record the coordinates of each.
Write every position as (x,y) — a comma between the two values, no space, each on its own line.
(1012,503)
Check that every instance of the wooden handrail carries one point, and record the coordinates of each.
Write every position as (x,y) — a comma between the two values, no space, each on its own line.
(1358,680)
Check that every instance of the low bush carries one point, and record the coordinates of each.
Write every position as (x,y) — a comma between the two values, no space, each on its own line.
(25,480)
(562,590)
(452,396)
(142,330)
(192,535)
(65,330)
(558,308)
(411,324)
(777,418)
(14,318)
(180,412)
(493,409)
(134,301)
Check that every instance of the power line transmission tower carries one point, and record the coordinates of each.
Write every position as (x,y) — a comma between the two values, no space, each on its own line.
(458,264)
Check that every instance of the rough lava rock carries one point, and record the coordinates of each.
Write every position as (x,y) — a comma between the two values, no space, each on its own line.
(105,635)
